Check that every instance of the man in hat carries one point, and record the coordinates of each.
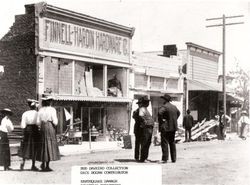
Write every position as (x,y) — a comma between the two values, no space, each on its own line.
(114,87)
(188,122)
(222,124)
(137,132)
(143,129)
(167,117)
(243,122)
(5,127)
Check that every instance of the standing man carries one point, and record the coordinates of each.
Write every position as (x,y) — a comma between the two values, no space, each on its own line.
(188,122)
(167,117)
(137,132)
(146,124)
(222,126)
(243,123)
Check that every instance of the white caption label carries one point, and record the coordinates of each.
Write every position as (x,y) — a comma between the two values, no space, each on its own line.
(117,175)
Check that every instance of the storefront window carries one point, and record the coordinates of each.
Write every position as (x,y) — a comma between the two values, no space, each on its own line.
(172,84)
(156,82)
(58,76)
(92,120)
(141,81)
(117,82)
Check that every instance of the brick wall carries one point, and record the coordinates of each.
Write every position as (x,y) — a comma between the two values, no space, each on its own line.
(17,54)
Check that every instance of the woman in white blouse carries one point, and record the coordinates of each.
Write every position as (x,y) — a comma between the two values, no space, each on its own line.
(31,135)
(47,119)
(6,126)
(243,122)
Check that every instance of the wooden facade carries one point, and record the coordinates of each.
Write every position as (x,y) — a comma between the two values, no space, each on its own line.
(202,87)
(153,75)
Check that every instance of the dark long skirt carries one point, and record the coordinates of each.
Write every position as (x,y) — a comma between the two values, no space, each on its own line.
(30,144)
(49,150)
(4,149)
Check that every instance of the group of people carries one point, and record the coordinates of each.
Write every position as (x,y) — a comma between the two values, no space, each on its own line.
(144,124)
(39,140)
(167,118)
(224,120)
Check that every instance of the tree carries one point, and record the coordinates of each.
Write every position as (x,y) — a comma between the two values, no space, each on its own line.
(241,84)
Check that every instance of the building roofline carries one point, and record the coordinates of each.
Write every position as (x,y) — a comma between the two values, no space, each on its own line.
(43,7)
(203,48)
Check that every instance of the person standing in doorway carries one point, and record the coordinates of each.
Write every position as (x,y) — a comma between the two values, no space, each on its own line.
(31,137)
(188,122)
(243,122)
(167,117)
(146,124)
(5,127)
(47,119)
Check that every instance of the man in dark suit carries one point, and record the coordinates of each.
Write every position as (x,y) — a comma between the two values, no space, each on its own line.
(167,117)
(138,133)
(188,122)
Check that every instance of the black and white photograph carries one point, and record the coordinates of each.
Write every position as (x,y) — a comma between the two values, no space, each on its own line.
(123,92)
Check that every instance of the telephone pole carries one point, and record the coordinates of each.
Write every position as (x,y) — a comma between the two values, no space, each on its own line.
(224,24)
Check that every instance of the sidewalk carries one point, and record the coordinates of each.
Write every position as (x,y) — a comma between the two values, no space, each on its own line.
(74,149)
(100,146)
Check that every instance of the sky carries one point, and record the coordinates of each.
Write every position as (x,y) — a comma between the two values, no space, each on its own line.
(162,22)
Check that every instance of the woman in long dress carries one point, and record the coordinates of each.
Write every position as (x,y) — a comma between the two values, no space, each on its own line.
(47,119)
(31,137)
(6,126)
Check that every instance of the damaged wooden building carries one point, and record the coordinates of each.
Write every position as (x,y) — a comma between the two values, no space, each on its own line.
(82,61)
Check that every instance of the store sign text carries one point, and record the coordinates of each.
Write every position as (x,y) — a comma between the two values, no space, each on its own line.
(77,36)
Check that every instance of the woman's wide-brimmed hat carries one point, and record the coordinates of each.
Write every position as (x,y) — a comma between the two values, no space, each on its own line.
(6,111)
(47,97)
(33,102)
(143,99)
(244,112)
(166,97)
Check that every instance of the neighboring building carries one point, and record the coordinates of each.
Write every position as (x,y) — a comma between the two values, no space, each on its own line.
(72,56)
(153,75)
(201,85)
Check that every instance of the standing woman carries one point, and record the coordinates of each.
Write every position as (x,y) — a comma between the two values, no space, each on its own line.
(31,135)
(47,119)
(6,126)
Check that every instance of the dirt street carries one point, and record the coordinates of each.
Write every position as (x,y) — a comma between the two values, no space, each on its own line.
(208,162)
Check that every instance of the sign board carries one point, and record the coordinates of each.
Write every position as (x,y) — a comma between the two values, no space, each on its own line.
(59,36)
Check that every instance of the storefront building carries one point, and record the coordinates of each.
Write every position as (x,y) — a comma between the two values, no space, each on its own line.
(82,61)
(201,86)
(153,75)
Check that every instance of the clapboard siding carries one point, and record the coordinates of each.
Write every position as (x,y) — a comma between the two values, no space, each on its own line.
(170,65)
(203,69)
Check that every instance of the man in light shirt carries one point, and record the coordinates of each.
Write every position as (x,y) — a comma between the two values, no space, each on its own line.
(243,122)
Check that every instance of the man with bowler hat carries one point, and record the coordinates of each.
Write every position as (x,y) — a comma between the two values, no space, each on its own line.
(146,124)
(167,117)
